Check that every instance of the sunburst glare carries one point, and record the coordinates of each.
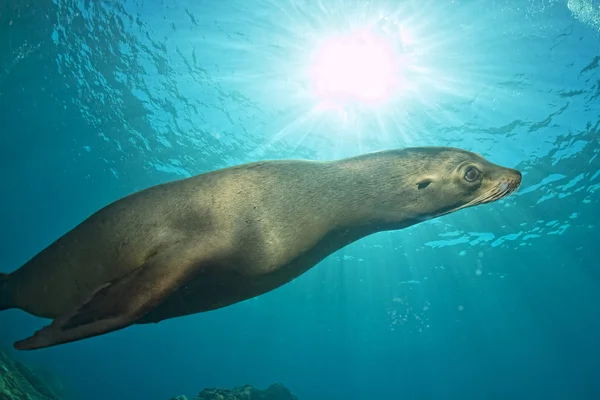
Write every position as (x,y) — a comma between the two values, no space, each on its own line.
(360,71)
(355,67)
(365,75)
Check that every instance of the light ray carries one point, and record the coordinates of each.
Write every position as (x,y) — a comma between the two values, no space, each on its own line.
(363,72)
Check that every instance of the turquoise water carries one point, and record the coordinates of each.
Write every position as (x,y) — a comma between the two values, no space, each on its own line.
(100,99)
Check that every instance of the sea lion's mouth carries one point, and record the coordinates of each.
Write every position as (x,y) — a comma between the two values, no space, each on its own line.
(505,188)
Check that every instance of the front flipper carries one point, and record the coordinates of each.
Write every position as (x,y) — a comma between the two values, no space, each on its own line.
(120,303)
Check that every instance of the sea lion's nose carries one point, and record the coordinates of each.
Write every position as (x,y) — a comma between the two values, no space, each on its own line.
(518,175)
(507,174)
(516,178)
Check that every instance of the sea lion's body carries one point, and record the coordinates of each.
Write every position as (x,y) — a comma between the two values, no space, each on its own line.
(252,216)
(225,236)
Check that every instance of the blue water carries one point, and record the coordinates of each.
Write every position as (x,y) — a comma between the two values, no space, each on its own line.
(100,99)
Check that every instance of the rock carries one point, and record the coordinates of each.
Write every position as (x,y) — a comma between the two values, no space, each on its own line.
(180,398)
(247,392)
(18,382)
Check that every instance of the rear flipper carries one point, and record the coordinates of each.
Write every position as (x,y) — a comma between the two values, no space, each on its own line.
(120,303)
(6,300)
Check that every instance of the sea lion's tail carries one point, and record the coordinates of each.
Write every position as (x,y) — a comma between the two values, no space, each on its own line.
(6,301)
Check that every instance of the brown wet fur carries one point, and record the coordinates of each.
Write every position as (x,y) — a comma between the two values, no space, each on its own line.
(248,229)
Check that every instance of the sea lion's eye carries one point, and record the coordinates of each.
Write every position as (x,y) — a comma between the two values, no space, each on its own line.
(471,174)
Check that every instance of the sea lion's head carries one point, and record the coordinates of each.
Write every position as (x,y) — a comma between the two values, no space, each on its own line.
(444,179)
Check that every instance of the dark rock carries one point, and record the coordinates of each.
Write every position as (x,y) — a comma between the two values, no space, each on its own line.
(247,392)
(18,382)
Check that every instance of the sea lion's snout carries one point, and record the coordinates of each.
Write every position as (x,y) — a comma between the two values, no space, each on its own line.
(508,181)
(511,182)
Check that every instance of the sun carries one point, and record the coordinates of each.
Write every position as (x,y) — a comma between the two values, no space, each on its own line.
(366,74)
(359,67)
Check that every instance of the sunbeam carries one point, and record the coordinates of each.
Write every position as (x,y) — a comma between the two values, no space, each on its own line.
(351,68)
(358,67)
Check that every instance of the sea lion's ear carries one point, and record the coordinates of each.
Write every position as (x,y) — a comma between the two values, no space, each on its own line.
(422,184)
(424,181)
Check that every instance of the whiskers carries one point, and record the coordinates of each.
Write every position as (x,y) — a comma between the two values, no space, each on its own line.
(495,193)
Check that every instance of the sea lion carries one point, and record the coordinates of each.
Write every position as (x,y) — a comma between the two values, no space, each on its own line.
(221,237)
